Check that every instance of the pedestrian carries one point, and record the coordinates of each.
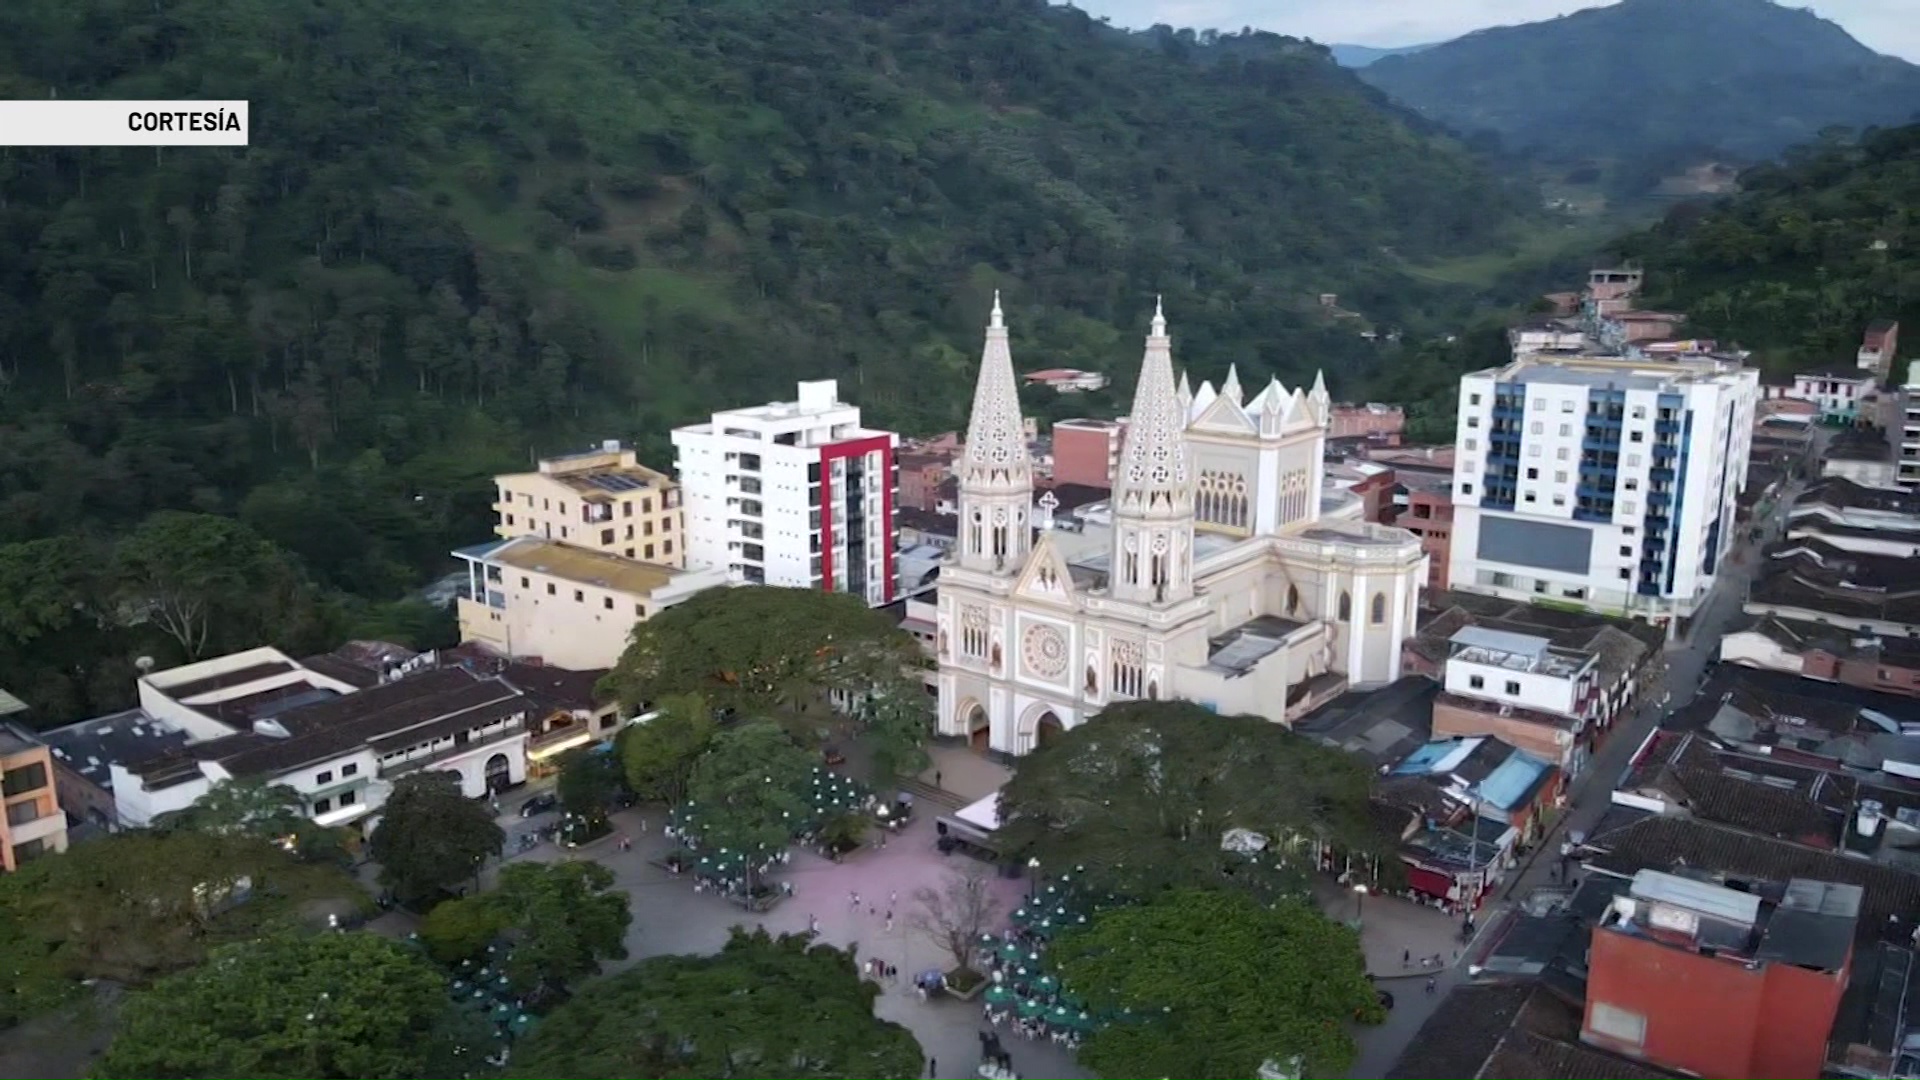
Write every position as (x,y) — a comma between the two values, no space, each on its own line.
(936,778)
(1433,983)
(853,900)
(813,924)
(873,909)
(1406,958)
(893,898)
(933,1068)
(889,922)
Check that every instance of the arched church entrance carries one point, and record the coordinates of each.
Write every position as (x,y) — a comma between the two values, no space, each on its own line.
(979,730)
(1047,729)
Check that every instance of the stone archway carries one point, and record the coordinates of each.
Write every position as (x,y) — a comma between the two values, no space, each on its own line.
(499,774)
(979,729)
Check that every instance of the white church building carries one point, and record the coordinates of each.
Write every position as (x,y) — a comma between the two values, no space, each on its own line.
(1212,578)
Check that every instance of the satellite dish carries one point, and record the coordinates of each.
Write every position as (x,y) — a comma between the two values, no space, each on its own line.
(145,664)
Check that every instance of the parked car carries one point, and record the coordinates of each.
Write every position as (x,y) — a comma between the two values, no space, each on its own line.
(540,804)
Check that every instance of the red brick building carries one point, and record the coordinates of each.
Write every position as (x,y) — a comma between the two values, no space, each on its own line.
(1086,451)
(920,475)
(1382,422)
(1428,514)
(1721,982)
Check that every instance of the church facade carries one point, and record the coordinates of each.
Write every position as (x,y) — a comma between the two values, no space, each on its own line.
(1214,574)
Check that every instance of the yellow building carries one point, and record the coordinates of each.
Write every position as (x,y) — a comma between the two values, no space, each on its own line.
(34,824)
(568,606)
(603,500)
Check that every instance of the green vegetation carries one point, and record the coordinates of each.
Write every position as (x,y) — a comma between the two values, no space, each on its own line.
(1142,801)
(1218,985)
(762,1006)
(559,920)
(460,239)
(1795,267)
(136,906)
(344,1006)
(431,838)
(1638,91)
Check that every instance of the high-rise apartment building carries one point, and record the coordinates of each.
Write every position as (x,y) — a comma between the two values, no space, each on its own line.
(793,493)
(1600,482)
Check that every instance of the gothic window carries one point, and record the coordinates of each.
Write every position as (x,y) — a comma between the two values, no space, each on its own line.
(1346,607)
(1293,600)
(973,633)
(1128,677)
(976,534)
(1379,613)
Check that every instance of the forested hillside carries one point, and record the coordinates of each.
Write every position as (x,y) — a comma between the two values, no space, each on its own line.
(1657,83)
(466,232)
(1812,250)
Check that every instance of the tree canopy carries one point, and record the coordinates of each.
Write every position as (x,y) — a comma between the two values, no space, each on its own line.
(761,1007)
(659,755)
(560,919)
(1219,985)
(346,1006)
(137,905)
(431,837)
(750,788)
(1145,795)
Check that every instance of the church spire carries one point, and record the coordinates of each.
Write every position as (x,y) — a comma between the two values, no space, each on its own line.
(1153,490)
(1231,388)
(995,474)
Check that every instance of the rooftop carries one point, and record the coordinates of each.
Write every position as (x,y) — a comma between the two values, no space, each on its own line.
(1844,494)
(1607,373)
(1806,923)
(1241,649)
(1802,636)
(1698,774)
(1521,1030)
(1854,444)
(1383,725)
(92,747)
(1516,652)
(578,565)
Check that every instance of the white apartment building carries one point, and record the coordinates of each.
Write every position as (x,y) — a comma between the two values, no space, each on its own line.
(1837,393)
(793,493)
(1907,461)
(1600,482)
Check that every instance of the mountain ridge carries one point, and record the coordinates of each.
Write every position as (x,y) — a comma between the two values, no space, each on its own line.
(1736,79)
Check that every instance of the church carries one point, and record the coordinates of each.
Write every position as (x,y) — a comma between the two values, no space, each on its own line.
(1218,572)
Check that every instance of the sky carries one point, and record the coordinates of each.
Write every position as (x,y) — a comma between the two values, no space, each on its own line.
(1888,26)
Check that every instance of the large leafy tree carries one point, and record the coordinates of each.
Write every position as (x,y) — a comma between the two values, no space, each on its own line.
(205,580)
(345,1006)
(561,919)
(751,788)
(243,807)
(136,905)
(1218,985)
(1156,794)
(761,1007)
(431,837)
(591,781)
(764,651)
(659,755)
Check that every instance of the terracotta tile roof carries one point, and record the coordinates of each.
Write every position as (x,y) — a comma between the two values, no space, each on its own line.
(1715,783)
(1510,1031)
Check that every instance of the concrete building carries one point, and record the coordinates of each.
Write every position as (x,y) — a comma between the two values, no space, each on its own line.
(1372,420)
(1712,981)
(33,824)
(1067,380)
(1811,581)
(1212,575)
(1816,650)
(603,500)
(1521,689)
(793,493)
(1837,393)
(1879,346)
(565,606)
(1907,460)
(260,714)
(1087,452)
(1424,507)
(1607,483)
(921,473)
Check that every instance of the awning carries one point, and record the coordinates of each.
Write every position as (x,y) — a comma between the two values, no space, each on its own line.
(343,815)
(579,739)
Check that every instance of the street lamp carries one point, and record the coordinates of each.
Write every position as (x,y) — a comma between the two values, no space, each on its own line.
(1359,901)
(1033,878)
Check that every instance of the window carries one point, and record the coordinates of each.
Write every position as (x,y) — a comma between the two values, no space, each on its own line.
(1379,613)
(1629,507)
(1539,428)
(349,769)
(646,528)
(1533,450)
(1566,430)
(1473,421)
(1472,444)
(563,532)
(579,596)
(348,798)
(1628,530)
(609,602)
(321,806)
(639,611)
(1616,1023)
(1559,500)
(321,779)
(1560,476)
(22,812)
(24,779)
(1626,552)
(1346,607)
(626,508)
(1566,406)
(629,553)
(1531,497)
(524,583)
(606,536)
(1561,454)
(1633,485)
(1466,489)
(648,550)
(1626,575)
(1533,474)
(629,535)
(1473,399)
(1636,436)
(666,547)
(1513,688)
(1539,403)
(1633,461)
(509,519)
(1477,682)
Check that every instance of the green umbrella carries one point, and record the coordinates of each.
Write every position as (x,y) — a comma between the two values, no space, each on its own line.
(1047,982)
(1012,951)
(998,995)
(1030,1009)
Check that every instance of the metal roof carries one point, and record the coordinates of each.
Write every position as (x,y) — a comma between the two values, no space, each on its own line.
(1716,901)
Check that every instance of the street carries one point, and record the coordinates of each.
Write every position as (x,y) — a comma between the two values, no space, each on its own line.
(1592,792)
